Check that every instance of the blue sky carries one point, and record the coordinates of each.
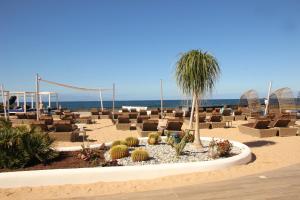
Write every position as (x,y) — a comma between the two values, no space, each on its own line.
(136,43)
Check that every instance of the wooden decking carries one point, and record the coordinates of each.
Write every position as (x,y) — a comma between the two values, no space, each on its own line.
(279,184)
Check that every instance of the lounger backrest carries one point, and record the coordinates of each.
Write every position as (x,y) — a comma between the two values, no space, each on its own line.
(123,119)
(21,115)
(63,125)
(226,112)
(174,125)
(238,112)
(125,110)
(95,111)
(105,112)
(140,119)
(150,125)
(132,115)
(169,110)
(132,110)
(179,114)
(216,118)
(143,112)
(261,124)
(31,115)
(280,123)
(202,118)
(154,112)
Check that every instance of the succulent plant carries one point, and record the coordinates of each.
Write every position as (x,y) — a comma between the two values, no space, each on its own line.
(118,142)
(139,155)
(154,138)
(119,151)
(132,141)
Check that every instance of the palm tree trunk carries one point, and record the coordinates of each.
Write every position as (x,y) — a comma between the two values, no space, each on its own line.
(197,141)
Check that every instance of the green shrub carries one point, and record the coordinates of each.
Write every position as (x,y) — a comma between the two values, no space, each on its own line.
(154,138)
(139,155)
(132,141)
(119,151)
(21,147)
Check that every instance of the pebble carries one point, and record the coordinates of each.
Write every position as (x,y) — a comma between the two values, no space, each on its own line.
(164,153)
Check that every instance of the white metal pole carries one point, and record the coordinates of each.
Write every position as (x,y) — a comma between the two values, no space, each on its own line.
(24,102)
(114,96)
(56,101)
(3,101)
(32,101)
(161,98)
(268,98)
(37,99)
(49,100)
(7,104)
(192,113)
(101,100)
(18,100)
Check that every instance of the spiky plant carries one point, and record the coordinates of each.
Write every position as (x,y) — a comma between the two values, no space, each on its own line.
(196,74)
(21,147)
(132,141)
(118,142)
(139,155)
(154,138)
(119,151)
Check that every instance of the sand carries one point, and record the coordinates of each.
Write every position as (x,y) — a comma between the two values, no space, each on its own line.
(268,154)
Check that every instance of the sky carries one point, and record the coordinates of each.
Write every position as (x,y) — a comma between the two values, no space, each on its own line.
(135,43)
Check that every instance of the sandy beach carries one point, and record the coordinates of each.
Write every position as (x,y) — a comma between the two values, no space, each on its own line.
(268,154)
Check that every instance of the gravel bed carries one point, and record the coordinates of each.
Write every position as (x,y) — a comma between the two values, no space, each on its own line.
(163,153)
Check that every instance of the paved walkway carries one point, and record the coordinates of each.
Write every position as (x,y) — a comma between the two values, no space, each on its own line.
(279,184)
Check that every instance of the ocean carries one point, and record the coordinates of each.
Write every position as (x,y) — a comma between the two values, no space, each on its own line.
(85,105)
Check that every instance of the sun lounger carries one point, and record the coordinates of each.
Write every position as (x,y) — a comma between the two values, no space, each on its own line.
(174,125)
(178,115)
(140,120)
(123,123)
(258,129)
(143,113)
(85,120)
(148,126)
(282,125)
(133,116)
(105,114)
(154,114)
(64,131)
(216,121)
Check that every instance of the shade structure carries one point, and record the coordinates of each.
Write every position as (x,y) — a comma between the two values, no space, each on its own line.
(250,100)
(282,100)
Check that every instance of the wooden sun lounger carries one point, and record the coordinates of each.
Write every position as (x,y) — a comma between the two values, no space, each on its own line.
(258,129)
(216,121)
(148,126)
(123,123)
(282,125)
(64,131)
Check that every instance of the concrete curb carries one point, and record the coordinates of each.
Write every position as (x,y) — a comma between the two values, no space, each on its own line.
(114,174)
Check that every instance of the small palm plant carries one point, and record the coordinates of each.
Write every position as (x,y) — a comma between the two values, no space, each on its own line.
(196,74)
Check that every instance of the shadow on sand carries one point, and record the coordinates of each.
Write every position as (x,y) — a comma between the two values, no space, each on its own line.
(259,143)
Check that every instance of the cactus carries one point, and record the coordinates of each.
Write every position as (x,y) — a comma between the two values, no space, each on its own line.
(132,141)
(139,155)
(118,142)
(154,138)
(179,146)
(119,151)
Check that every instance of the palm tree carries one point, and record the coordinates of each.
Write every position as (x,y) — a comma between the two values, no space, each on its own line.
(196,74)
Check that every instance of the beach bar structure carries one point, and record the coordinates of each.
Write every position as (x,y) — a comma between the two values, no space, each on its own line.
(39,79)
(282,100)
(22,98)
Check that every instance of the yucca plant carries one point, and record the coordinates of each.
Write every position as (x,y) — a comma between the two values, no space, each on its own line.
(196,74)
(22,146)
